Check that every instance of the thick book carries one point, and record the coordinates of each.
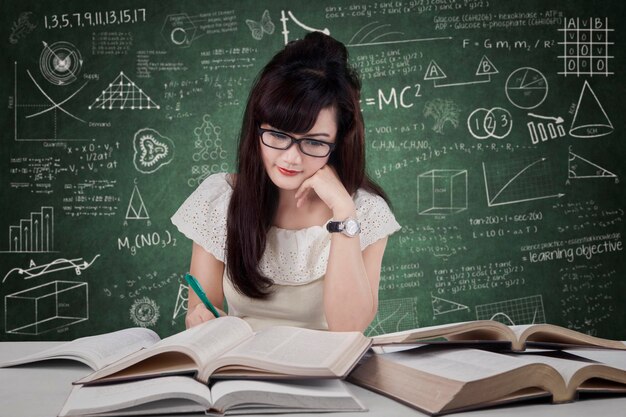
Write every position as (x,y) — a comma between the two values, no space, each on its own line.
(440,380)
(227,347)
(516,338)
(181,394)
(95,351)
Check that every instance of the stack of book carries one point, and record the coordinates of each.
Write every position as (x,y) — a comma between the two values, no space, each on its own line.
(223,367)
(219,367)
(486,363)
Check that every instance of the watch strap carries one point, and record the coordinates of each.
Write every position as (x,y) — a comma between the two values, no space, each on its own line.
(349,227)
(334,226)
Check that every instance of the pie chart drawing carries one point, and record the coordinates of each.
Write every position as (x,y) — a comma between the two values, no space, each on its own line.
(526,88)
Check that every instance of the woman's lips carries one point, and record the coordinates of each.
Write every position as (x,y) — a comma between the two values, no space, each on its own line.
(287,172)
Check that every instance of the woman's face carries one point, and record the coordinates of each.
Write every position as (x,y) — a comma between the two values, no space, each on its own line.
(290,167)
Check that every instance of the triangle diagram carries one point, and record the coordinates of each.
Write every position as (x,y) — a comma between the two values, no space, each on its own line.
(486,67)
(181,301)
(434,72)
(442,306)
(136,208)
(579,167)
(590,119)
(122,94)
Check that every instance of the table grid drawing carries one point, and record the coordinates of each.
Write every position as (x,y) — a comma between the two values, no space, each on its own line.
(586,47)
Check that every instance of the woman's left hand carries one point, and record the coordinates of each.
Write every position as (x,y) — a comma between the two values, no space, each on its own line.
(326,184)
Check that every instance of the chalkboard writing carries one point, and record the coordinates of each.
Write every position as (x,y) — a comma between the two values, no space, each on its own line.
(493,126)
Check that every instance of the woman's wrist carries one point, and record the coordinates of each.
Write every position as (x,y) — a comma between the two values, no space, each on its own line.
(344,210)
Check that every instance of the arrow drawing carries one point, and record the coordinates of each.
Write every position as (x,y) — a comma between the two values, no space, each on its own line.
(60,264)
(556,119)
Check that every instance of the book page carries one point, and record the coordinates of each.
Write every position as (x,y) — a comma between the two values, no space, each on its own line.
(614,358)
(478,330)
(111,397)
(299,387)
(188,350)
(288,349)
(210,339)
(397,347)
(566,367)
(585,374)
(457,364)
(549,334)
(415,334)
(310,395)
(97,351)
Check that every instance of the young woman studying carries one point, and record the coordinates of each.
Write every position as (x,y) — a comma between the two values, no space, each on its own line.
(297,235)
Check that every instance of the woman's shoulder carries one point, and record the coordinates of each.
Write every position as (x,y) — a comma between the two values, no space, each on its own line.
(220,180)
(364,199)
(214,190)
(377,219)
(211,196)
(202,216)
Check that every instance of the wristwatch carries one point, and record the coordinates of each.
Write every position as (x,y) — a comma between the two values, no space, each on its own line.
(349,227)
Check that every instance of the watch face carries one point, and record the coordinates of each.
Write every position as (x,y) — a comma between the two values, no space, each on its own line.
(351,227)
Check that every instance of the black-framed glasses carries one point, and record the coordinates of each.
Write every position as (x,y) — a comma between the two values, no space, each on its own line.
(308,146)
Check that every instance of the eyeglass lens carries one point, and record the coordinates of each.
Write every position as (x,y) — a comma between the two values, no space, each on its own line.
(308,146)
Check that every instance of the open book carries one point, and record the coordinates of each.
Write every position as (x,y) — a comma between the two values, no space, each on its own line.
(439,380)
(95,351)
(228,348)
(536,335)
(180,394)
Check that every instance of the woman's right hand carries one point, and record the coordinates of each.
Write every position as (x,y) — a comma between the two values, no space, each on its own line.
(198,314)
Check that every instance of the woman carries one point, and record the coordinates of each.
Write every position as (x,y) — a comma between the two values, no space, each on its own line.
(262,237)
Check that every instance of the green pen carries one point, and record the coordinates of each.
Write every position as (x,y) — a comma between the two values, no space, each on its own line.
(195,286)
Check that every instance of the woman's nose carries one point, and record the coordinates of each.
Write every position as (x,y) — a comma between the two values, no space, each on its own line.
(292,155)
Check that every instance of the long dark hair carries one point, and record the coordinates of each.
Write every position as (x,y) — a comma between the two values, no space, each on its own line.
(305,77)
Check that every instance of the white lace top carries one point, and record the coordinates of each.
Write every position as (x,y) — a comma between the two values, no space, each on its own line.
(294,259)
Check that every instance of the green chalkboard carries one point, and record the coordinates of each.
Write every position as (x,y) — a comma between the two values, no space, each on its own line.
(495,128)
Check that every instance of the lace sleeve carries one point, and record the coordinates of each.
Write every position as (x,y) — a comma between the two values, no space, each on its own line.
(202,217)
(377,220)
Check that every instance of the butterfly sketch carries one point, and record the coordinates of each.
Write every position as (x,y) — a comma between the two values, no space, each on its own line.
(264,26)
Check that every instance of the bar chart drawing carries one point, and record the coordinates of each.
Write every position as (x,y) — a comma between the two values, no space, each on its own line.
(34,234)
(545,128)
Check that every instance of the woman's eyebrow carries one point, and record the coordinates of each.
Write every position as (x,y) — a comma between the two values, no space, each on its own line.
(308,135)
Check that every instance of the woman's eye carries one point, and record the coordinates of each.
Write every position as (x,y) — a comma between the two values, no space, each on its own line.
(313,143)
(280,136)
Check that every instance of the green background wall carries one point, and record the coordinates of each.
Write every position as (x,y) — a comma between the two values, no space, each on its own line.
(495,127)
